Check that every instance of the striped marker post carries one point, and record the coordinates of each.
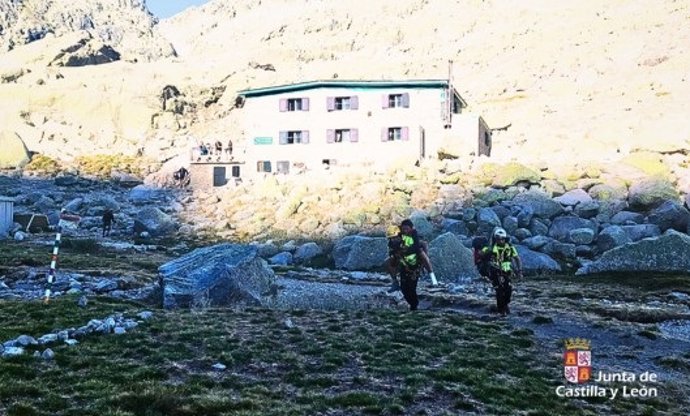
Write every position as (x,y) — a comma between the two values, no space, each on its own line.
(66,221)
(53,263)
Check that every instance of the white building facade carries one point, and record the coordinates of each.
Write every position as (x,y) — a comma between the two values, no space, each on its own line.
(326,124)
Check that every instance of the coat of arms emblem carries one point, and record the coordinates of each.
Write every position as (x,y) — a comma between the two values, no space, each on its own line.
(577,360)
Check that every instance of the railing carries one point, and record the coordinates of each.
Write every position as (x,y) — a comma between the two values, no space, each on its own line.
(213,156)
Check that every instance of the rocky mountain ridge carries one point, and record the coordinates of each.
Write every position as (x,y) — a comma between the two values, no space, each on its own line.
(125,25)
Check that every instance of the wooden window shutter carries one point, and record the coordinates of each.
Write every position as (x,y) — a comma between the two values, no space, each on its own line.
(406,100)
(384,134)
(354,103)
(330,136)
(384,101)
(283,104)
(405,133)
(305,136)
(282,137)
(330,103)
(354,135)
(305,104)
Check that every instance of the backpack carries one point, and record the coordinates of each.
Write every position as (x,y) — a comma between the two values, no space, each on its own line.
(481,260)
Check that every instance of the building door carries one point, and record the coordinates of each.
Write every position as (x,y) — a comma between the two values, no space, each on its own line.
(422,143)
(219,178)
(235,171)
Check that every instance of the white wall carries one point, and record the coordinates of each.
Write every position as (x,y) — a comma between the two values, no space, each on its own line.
(263,118)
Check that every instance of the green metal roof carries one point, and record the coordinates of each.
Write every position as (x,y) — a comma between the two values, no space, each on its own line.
(279,89)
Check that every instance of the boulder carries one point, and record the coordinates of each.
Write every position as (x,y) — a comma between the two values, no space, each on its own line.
(668,253)
(574,197)
(66,180)
(561,227)
(584,251)
(607,192)
(469,214)
(282,259)
(534,263)
(501,211)
(540,203)
(143,193)
(640,231)
(565,251)
(452,261)
(668,215)
(611,237)
(74,205)
(522,234)
(489,197)
(220,275)
(487,220)
(267,250)
(306,252)
(14,153)
(424,227)
(587,209)
(510,224)
(537,227)
(650,193)
(125,180)
(360,253)
(455,226)
(155,222)
(512,174)
(524,216)
(581,236)
(627,217)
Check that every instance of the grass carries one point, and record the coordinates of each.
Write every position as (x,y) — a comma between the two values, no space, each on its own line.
(81,256)
(377,362)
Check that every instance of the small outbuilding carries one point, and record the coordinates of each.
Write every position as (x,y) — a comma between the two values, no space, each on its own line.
(6,214)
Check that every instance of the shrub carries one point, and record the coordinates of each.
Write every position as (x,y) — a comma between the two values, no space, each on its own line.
(102,165)
(43,164)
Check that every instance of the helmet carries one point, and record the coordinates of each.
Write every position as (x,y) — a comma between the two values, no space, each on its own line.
(392,231)
(500,233)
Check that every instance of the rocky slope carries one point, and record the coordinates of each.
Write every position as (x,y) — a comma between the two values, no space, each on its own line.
(596,79)
(125,25)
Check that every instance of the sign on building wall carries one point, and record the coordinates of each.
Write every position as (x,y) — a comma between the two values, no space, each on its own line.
(263,140)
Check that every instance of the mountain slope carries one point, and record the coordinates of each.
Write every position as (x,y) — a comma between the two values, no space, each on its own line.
(611,75)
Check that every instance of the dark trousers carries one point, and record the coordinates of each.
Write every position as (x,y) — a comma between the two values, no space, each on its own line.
(504,290)
(408,286)
(106,229)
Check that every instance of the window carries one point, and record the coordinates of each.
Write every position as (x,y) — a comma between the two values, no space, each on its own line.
(394,133)
(487,138)
(235,171)
(283,166)
(342,135)
(396,100)
(294,104)
(294,136)
(263,166)
(342,103)
(389,134)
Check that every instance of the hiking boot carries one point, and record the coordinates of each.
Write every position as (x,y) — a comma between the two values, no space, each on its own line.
(394,287)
